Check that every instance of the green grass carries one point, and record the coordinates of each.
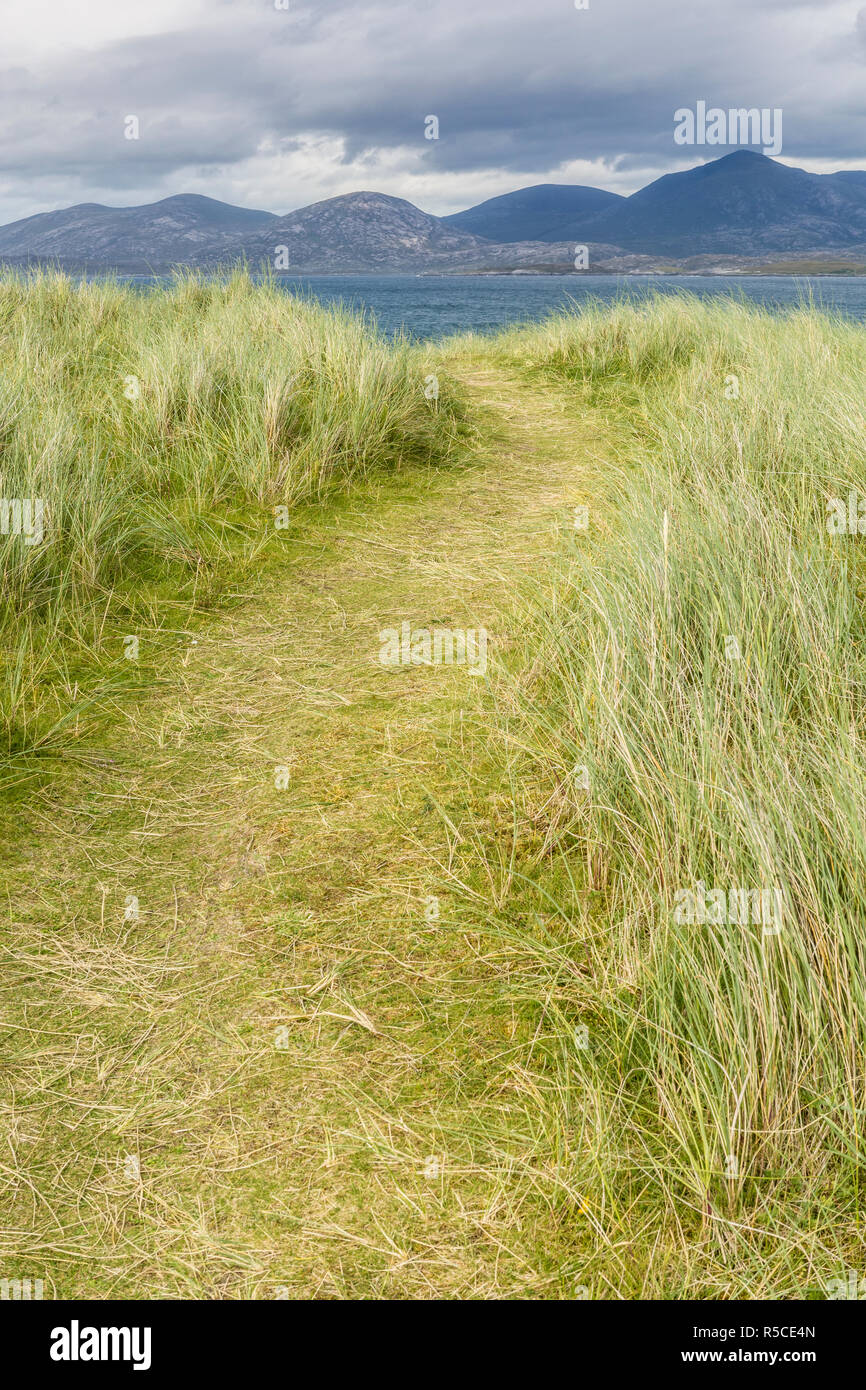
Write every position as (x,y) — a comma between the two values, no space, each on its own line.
(161,431)
(703,656)
(618,1103)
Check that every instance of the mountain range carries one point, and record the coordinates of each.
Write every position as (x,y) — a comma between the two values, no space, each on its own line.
(729,213)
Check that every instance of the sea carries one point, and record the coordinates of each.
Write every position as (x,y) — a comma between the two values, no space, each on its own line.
(436,306)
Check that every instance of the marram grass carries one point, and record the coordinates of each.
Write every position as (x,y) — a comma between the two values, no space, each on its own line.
(702,663)
(663,1103)
(141,425)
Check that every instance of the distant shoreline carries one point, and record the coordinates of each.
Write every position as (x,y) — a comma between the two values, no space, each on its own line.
(771,271)
(523,273)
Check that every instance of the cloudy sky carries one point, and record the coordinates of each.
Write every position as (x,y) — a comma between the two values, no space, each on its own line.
(277,107)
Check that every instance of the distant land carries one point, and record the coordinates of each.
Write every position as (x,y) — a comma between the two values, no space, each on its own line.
(741,214)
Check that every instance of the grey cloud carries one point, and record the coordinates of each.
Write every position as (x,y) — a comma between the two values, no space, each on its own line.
(515,86)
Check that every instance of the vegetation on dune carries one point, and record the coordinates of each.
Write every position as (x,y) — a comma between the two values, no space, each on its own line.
(559,1083)
(144,423)
(702,657)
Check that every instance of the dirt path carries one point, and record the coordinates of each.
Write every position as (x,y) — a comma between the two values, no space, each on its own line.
(279,1072)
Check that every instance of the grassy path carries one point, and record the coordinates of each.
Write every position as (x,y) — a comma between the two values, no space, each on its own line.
(278,1072)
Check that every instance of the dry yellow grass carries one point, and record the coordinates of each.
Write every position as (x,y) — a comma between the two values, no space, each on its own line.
(165,1137)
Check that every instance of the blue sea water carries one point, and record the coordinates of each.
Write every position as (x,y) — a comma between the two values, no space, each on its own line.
(434,306)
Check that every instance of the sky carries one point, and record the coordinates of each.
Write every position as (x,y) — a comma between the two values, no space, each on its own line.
(278,103)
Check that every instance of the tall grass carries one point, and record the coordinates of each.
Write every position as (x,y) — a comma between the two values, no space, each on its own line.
(153,427)
(731,1056)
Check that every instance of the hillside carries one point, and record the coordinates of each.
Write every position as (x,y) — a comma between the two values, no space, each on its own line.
(370,232)
(743,206)
(545,212)
(357,231)
(133,239)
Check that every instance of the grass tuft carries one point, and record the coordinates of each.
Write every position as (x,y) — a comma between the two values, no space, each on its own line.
(159,431)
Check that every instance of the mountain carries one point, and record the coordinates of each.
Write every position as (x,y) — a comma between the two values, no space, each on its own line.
(369,232)
(132,240)
(545,212)
(357,231)
(728,214)
(742,204)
